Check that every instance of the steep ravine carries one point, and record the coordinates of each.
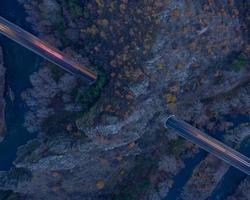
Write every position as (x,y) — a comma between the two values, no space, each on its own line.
(119,148)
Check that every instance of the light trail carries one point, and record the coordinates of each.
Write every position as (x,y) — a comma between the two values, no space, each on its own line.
(49,50)
(221,148)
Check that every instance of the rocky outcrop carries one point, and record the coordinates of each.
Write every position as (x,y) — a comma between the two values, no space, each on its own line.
(2,101)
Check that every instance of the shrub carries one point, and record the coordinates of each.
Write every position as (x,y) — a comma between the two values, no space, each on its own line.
(94,92)
(239,62)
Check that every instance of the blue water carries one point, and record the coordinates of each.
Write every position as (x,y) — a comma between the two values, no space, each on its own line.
(237,118)
(181,179)
(20,63)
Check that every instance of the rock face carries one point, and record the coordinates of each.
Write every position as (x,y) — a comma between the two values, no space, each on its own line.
(161,57)
(2,101)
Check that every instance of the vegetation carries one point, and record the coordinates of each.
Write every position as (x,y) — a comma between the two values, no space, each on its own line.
(55,124)
(175,146)
(8,195)
(239,62)
(61,28)
(74,8)
(91,96)
(19,174)
(137,181)
(107,37)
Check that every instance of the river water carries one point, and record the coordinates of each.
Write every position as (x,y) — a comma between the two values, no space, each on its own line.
(20,63)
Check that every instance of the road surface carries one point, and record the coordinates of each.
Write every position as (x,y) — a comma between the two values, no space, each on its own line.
(210,144)
(43,49)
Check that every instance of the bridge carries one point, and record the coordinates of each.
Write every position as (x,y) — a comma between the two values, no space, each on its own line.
(45,50)
(209,144)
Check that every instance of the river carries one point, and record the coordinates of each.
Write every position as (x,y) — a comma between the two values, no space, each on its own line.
(20,64)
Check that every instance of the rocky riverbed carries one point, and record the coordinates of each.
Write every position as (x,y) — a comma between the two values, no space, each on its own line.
(153,58)
(2,101)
